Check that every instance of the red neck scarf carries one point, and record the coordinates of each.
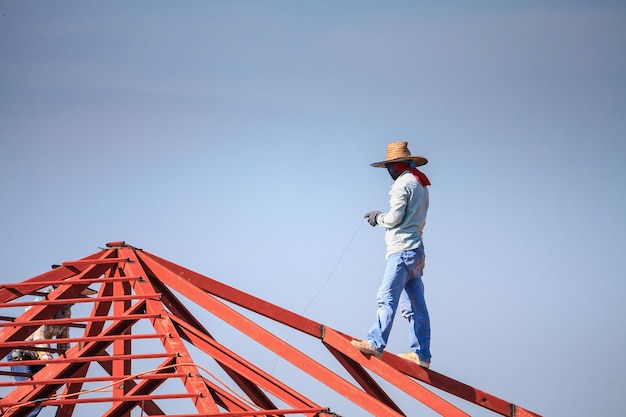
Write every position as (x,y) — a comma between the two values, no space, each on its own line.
(402,166)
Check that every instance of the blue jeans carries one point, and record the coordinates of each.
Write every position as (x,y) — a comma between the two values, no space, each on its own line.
(26,370)
(402,284)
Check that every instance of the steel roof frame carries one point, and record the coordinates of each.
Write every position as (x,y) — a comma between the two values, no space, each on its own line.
(138,287)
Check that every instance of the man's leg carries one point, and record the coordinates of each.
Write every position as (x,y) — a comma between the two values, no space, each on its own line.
(396,275)
(419,336)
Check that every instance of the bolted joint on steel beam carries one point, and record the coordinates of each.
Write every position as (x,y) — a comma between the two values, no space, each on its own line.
(322,331)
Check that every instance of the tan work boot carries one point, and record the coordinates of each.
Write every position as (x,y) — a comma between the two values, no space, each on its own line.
(412,356)
(365,346)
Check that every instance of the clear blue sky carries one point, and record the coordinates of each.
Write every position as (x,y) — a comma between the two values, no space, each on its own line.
(234,138)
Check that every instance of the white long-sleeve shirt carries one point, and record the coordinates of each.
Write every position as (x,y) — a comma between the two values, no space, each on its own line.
(405,220)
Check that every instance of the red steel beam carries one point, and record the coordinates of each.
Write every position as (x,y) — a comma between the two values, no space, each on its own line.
(235,296)
(306,411)
(66,301)
(97,358)
(89,339)
(447,384)
(85,379)
(103,261)
(17,285)
(456,388)
(13,405)
(73,320)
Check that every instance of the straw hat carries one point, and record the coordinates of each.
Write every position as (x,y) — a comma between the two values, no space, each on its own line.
(399,151)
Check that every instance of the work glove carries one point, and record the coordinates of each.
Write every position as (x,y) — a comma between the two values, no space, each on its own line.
(372,217)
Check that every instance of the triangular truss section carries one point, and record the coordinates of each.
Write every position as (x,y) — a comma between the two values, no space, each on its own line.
(135,348)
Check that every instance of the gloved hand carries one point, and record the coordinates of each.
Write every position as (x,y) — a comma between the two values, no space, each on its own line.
(372,217)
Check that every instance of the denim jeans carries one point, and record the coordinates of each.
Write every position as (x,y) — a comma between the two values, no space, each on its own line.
(402,284)
(26,370)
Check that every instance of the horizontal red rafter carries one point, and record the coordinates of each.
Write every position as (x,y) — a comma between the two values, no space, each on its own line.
(87,339)
(68,282)
(315,411)
(98,358)
(103,261)
(72,320)
(107,399)
(93,379)
(12,319)
(65,301)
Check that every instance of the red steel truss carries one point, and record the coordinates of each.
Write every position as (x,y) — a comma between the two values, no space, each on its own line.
(143,302)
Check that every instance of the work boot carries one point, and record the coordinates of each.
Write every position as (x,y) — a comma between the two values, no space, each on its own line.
(365,346)
(412,356)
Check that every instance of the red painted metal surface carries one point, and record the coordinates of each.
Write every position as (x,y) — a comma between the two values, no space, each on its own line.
(136,346)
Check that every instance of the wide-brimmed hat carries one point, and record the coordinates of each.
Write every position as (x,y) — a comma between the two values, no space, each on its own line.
(399,151)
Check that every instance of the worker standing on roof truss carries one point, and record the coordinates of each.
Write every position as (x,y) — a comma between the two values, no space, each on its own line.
(402,281)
